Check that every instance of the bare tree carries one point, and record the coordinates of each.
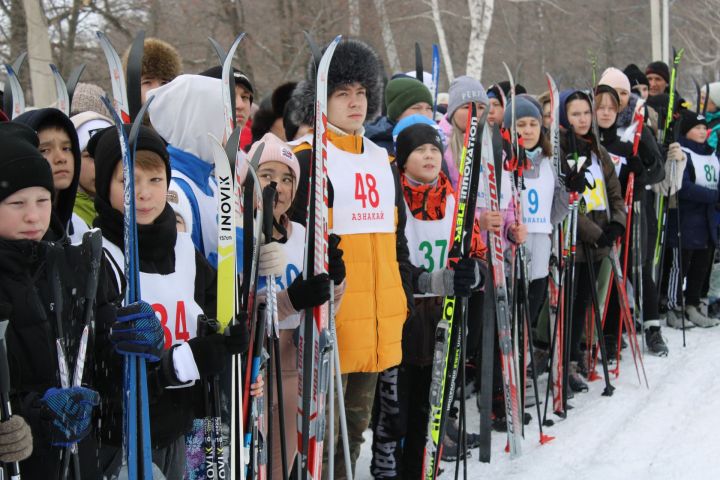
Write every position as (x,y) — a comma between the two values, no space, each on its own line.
(354,14)
(387,36)
(39,54)
(481,12)
(445,51)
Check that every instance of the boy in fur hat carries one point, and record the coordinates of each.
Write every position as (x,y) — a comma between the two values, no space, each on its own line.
(161,63)
(368,214)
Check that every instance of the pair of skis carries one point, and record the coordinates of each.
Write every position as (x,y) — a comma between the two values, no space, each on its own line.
(135,464)
(315,345)
(449,333)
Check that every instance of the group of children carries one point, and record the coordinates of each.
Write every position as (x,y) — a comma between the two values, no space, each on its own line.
(392,195)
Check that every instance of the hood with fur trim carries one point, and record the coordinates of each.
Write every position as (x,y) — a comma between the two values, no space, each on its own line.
(353,61)
(47,117)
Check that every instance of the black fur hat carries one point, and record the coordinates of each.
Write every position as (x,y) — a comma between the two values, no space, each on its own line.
(353,61)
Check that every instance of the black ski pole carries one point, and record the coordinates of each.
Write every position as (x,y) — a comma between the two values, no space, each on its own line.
(596,308)
(6,409)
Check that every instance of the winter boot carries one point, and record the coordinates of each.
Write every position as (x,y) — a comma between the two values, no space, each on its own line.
(714,309)
(655,342)
(696,317)
(674,319)
(451,450)
(575,380)
(472,440)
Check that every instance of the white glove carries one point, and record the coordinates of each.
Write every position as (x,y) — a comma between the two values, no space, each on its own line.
(675,153)
(272,260)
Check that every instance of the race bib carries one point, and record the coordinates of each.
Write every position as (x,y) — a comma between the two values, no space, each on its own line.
(537,199)
(363,189)
(594,194)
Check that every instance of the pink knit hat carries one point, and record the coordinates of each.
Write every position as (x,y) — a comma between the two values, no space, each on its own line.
(615,78)
(276,151)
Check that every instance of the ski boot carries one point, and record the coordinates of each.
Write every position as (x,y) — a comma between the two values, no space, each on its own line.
(575,380)
(674,319)
(472,440)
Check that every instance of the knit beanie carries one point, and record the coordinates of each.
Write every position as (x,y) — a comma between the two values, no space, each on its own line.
(21,163)
(276,150)
(415,134)
(240,77)
(714,93)
(181,205)
(615,78)
(689,120)
(87,99)
(524,107)
(104,147)
(88,124)
(505,86)
(464,90)
(635,75)
(160,60)
(659,68)
(402,93)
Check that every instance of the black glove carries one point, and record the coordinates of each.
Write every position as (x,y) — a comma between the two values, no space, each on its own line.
(574,180)
(211,352)
(309,293)
(336,268)
(635,165)
(611,233)
(466,277)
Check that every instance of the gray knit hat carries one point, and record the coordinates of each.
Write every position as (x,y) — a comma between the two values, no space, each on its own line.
(464,90)
(525,106)
(87,99)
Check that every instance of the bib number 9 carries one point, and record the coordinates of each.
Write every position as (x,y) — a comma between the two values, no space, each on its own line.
(533,201)
(366,190)
(426,248)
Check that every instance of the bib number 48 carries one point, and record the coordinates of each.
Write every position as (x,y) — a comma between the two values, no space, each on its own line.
(366,190)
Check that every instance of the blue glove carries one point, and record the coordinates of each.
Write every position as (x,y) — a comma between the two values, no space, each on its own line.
(137,331)
(70,412)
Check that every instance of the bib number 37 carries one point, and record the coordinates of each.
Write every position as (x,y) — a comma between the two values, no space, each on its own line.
(366,190)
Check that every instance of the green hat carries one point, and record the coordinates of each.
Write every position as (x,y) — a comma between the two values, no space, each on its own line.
(402,93)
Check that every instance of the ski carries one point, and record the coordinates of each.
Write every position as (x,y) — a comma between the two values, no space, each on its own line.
(135,371)
(7,105)
(313,359)
(5,408)
(435,76)
(447,338)
(18,98)
(502,307)
(663,203)
(117,78)
(63,99)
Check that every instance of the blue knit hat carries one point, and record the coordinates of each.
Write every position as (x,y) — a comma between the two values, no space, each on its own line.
(525,106)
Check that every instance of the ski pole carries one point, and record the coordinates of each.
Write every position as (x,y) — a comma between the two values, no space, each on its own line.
(596,306)
(339,386)
(5,408)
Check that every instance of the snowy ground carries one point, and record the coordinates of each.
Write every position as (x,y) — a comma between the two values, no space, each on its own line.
(671,431)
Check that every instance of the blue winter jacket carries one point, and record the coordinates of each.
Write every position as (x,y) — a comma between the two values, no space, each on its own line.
(698,216)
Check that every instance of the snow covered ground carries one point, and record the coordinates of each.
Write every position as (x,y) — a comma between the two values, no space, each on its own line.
(671,431)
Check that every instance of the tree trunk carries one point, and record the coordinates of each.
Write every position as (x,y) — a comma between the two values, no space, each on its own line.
(444,50)
(68,50)
(481,12)
(388,39)
(39,55)
(354,14)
